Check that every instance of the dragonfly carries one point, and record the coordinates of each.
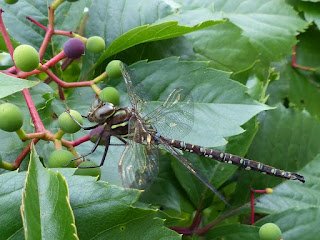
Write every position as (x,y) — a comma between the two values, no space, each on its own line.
(143,129)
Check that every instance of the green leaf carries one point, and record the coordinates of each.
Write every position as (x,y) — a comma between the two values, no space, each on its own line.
(224,46)
(156,20)
(10,85)
(296,223)
(101,211)
(45,202)
(148,33)
(234,232)
(287,139)
(291,194)
(11,184)
(311,11)
(269,24)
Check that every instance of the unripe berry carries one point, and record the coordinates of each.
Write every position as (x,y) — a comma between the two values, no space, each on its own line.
(74,48)
(113,69)
(10,1)
(67,124)
(11,117)
(88,171)
(111,95)
(26,58)
(60,158)
(270,231)
(95,44)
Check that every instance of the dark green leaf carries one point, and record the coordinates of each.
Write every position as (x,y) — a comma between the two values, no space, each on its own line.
(270,25)
(296,223)
(294,194)
(234,232)
(311,11)
(287,140)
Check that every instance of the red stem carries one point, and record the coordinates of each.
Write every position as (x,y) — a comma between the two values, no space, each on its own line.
(67,84)
(78,141)
(294,61)
(6,35)
(33,111)
(24,153)
(252,206)
(37,23)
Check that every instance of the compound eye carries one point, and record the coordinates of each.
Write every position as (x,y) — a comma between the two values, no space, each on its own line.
(105,111)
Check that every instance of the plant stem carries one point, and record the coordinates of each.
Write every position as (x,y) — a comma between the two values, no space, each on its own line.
(33,111)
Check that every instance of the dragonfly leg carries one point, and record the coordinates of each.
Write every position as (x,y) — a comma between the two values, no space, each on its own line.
(104,154)
(92,150)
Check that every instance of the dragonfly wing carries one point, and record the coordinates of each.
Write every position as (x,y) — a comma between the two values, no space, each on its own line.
(191,168)
(174,118)
(136,92)
(139,162)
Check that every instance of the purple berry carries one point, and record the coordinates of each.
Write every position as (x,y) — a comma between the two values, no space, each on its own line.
(74,48)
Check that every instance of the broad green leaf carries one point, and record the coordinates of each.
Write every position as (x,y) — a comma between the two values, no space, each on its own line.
(46,210)
(311,11)
(148,33)
(101,211)
(104,211)
(224,46)
(124,24)
(287,139)
(221,105)
(296,223)
(67,17)
(10,85)
(234,232)
(11,184)
(269,24)
(290,194)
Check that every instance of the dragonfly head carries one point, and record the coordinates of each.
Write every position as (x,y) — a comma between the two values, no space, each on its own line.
(100,111)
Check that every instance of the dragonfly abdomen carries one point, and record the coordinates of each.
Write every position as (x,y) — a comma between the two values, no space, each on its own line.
(233,159)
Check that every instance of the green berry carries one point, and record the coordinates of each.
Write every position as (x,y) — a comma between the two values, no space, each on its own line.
(26,58)
(95,44)
(270,231)
(67,124)
(60,158)
(113,69)
(11,117)
(88,171)
(10,1)
(111,95)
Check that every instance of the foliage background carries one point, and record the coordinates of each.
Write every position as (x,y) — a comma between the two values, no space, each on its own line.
(226,66)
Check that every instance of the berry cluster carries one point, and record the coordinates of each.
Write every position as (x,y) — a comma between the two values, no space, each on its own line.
(28,61)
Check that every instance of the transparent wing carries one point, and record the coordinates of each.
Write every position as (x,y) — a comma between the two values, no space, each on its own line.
(138,164)
(174,118)
(136,92)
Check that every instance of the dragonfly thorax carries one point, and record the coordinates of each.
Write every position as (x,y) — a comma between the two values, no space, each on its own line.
(100,111)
